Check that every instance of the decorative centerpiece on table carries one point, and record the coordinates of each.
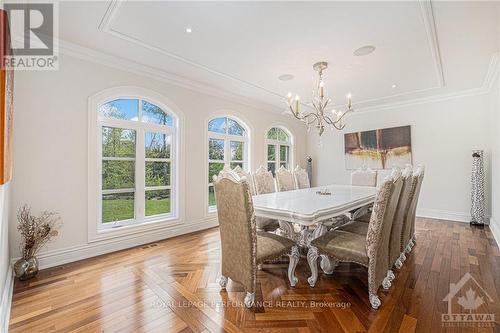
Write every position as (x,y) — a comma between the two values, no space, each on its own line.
(36,231)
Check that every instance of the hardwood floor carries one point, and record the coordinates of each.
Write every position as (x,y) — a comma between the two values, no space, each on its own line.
(171,286)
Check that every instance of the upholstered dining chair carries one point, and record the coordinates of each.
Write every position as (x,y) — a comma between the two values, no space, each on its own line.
(284,180)
(243,248)
(301,178)
(408,232)
(401,203)
(397,226)
(263,181)
(242,173)
(370,250)
(363,177)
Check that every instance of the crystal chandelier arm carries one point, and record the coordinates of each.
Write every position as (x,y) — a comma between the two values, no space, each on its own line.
(304,118)
(330,122)
(343,114)
(313,119)
(320,102)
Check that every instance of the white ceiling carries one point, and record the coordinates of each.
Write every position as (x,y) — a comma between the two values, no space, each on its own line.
(242,47)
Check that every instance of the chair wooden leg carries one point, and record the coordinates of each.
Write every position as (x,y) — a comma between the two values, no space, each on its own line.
(294,259)
(312,259)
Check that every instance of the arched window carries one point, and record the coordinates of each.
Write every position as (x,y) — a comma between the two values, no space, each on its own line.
(279,148)
(227,144)
(137,146)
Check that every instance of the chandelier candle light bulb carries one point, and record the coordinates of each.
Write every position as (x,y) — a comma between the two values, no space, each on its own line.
(321,104)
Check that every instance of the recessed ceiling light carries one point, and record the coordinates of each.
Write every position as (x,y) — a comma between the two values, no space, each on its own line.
(364,50)
(286,77)
(189,30)
(394,86)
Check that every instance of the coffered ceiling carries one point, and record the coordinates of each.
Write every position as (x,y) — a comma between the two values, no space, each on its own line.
(422,48)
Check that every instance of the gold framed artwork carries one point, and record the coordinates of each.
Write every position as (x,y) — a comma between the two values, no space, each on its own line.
(378,149)
(6,101)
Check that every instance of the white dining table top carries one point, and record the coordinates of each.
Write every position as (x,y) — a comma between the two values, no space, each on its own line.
(307,207)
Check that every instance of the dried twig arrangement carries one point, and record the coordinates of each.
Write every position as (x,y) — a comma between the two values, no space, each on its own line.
(36,231)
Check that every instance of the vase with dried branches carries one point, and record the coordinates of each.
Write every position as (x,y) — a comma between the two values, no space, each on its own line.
(35,232)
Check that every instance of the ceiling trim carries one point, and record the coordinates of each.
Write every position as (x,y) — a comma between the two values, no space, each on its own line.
(426,12)
(129,66)
(133,67)
(430,28)
(105,26)
(492,74)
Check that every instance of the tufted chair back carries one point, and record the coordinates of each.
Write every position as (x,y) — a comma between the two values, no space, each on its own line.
(301,178)
(284,180)
(242,173)
(237,229)
(263,181)
(409,223)
(400,215)
(364,178)
(379,229)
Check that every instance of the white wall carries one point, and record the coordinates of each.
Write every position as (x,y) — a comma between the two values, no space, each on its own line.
(495,170)
(50,159)
(443,135)
(5,272)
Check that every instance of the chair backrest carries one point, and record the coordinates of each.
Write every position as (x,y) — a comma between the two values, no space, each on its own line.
(379,228)
(301,178)
(237,228)
(362,177)
(284,180)
(409,223)
(263,181)
(401,211)
(242,173)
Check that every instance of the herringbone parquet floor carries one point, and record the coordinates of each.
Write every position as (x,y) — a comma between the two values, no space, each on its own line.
(171,286)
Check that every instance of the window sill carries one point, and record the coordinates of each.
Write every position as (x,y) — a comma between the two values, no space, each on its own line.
(131,229)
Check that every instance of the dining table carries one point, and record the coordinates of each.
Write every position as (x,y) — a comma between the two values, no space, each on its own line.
(305,214)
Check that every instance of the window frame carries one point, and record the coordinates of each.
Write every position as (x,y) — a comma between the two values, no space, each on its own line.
(227,138)
(277,143)
(96,229)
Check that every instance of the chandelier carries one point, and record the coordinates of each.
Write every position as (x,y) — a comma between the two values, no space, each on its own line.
(324,116)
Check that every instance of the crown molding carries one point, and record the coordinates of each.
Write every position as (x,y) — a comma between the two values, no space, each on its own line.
(130,66)
(491,75)
(105,26)
(430,29)
(377,104)
(426,12)
(94,56)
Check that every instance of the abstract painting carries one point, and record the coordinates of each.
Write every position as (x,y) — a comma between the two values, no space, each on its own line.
(378,149)
(6,101)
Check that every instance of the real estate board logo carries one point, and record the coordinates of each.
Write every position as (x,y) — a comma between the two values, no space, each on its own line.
(32,31)
(467,302)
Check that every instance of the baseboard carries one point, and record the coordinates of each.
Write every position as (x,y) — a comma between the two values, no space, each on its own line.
(495,230)
(444,215)
(66,255)
(6,301)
